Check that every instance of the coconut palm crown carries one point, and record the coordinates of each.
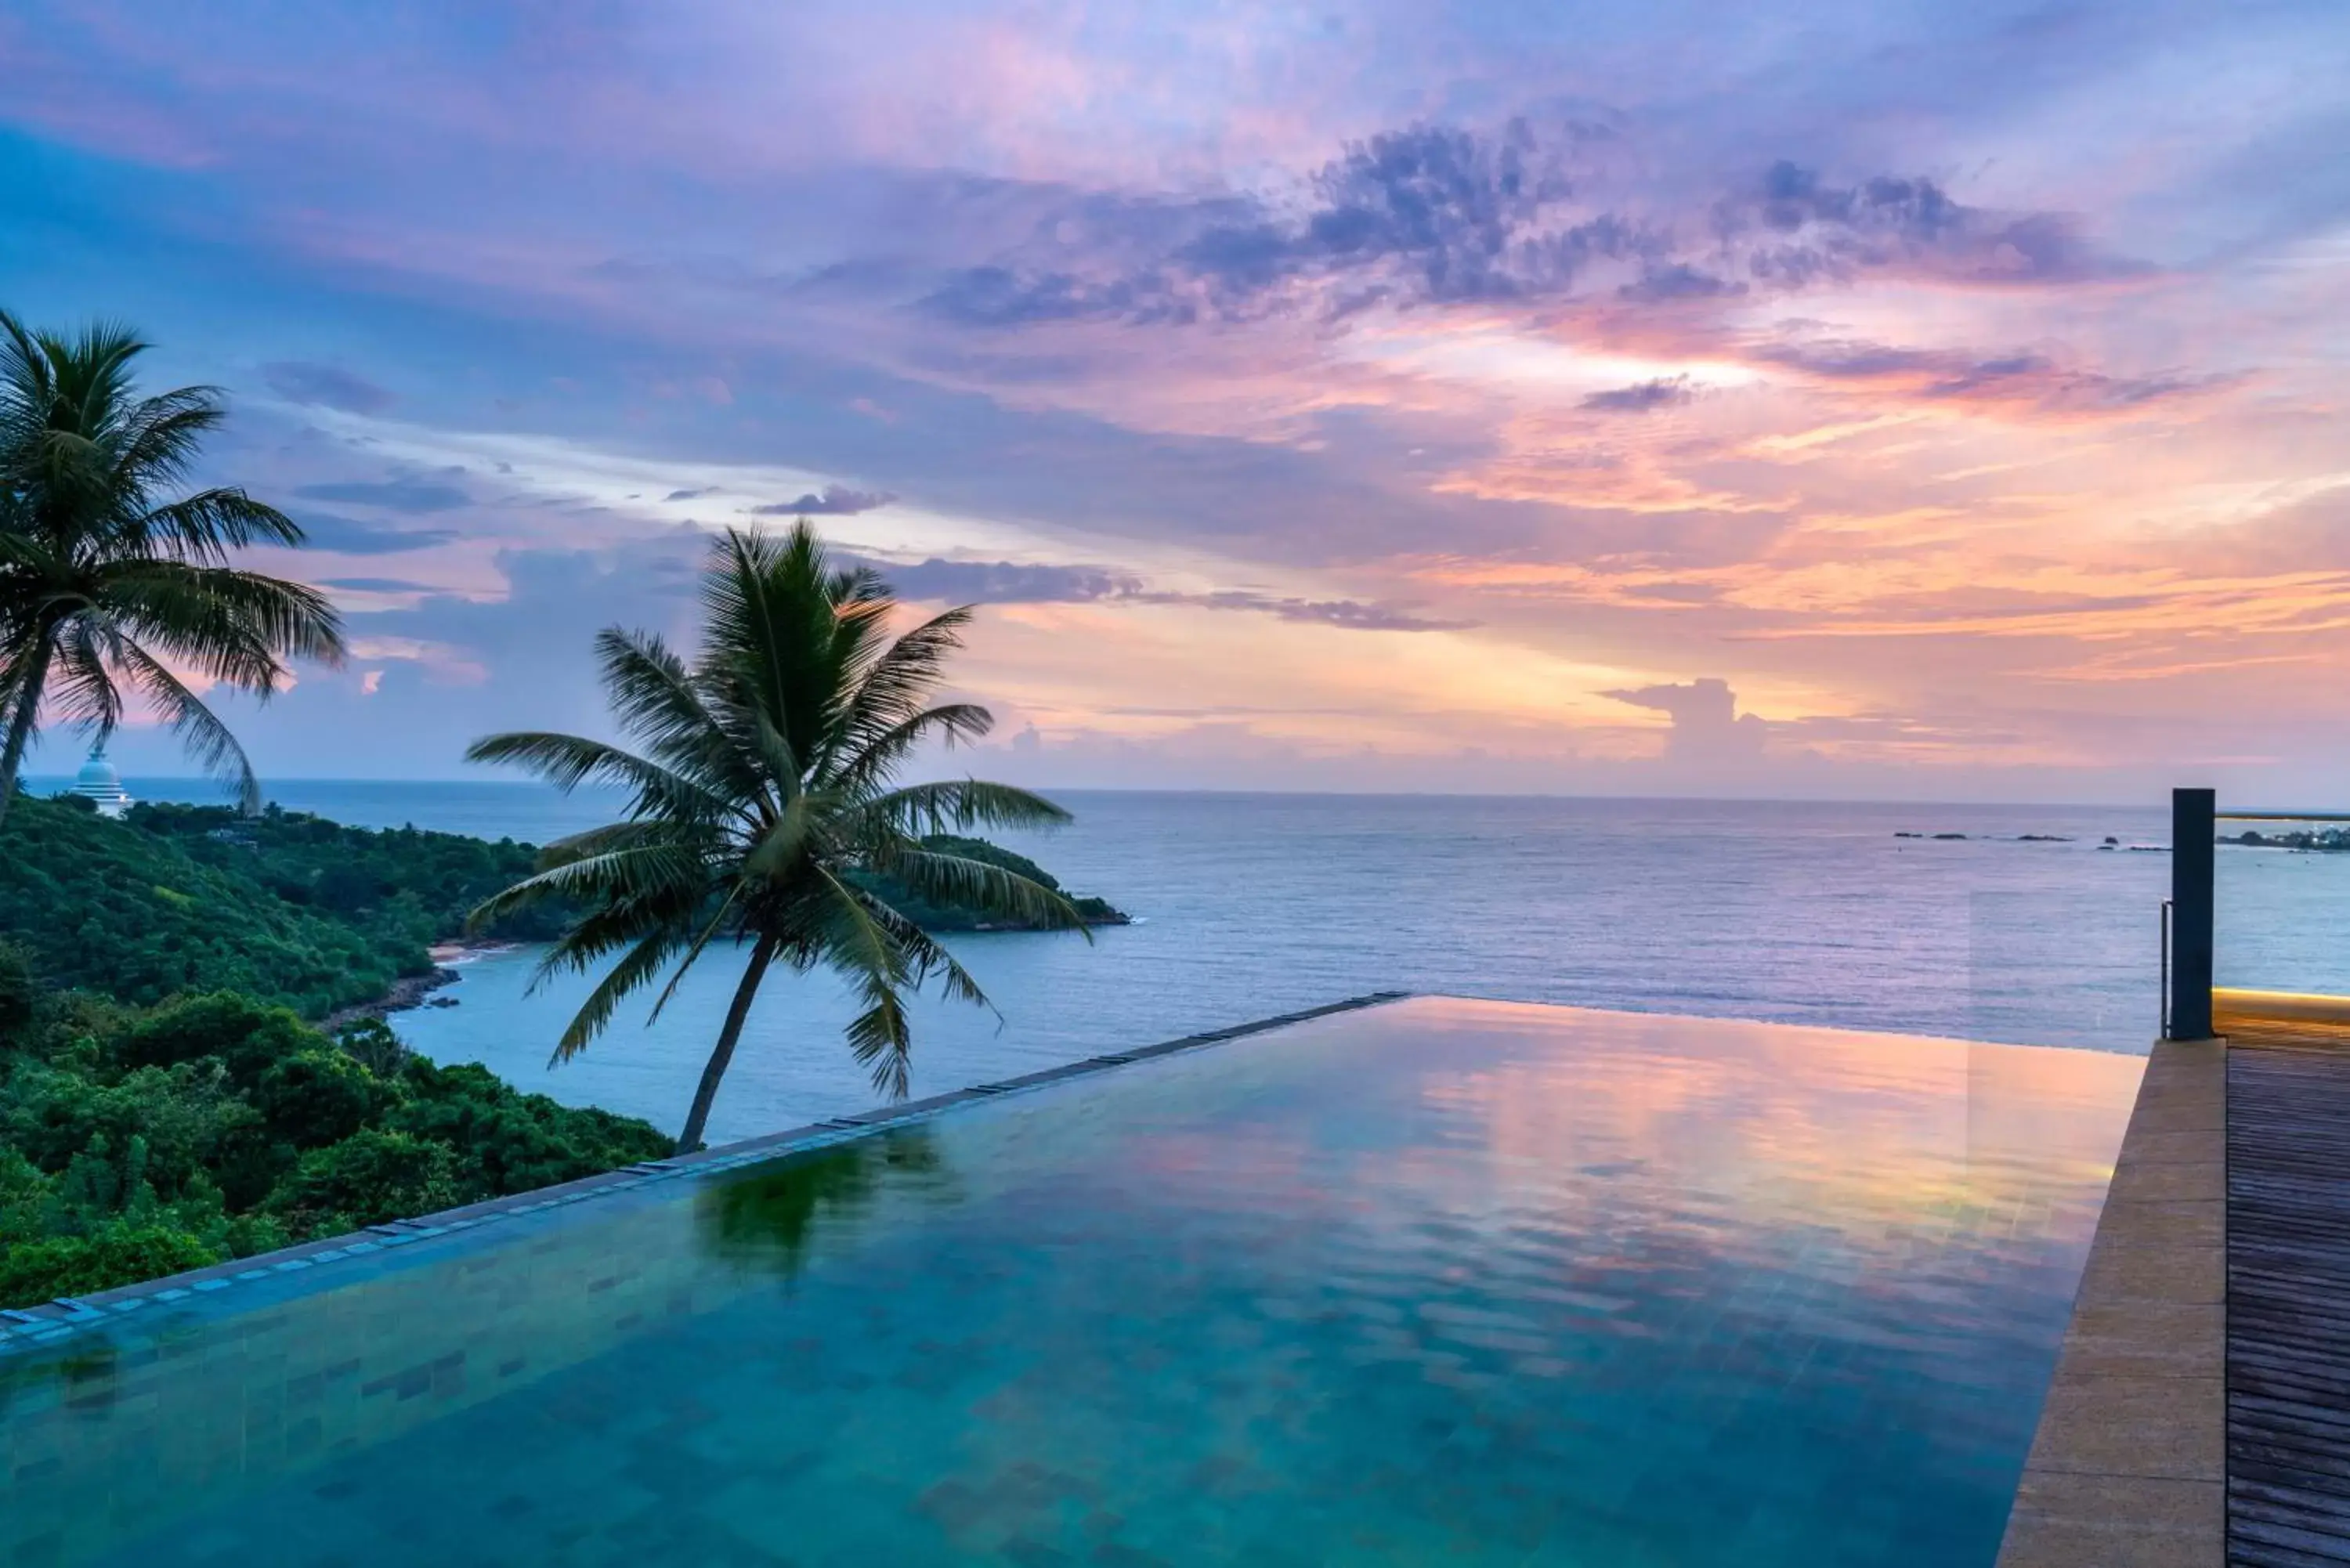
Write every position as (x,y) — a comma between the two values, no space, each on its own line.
(106,581)
(764,811)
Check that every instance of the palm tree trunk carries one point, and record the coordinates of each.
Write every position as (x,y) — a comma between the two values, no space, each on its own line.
(761,956)
(27,707)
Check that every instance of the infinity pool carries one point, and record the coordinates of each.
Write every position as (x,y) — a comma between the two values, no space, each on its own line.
(1437,1282)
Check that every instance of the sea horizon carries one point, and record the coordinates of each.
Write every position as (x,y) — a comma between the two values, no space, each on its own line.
(1821,912)
(1841,913)
(198,789)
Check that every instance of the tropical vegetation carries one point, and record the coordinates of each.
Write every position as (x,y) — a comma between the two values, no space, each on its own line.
(193,1064)
(115,579)
(171,1090)
(764,810)
(140,1141)
(290,909)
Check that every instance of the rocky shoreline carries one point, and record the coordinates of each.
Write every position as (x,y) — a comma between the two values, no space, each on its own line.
(2325,841)
(413,990)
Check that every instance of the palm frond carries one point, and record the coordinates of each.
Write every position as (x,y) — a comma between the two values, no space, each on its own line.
(886,1050)
(636,833)
(899,683)
(959,881)
(782,763)
(27,557)
(656,699)
(641,964)
(156,442)
(772,641)
(863,951)
(28,388)
(954,804)
(199,728)
(925,956)
(567,762)
(711,928)
(80,687)
(657,876)
(211,523)
(235,626)
(880,1039)
(876,758)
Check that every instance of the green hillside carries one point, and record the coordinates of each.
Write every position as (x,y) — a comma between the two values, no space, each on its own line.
(163,1101)
(139,1142)
(291,909)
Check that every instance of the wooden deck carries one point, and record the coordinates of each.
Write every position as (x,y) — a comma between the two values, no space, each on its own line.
(2288,1229)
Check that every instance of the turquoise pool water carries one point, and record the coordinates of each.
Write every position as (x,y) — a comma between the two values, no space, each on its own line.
(1439,1282)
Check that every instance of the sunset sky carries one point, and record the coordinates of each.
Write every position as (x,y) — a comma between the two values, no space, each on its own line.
(1846,398)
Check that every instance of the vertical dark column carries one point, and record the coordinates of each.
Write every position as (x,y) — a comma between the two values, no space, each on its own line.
(2194,828)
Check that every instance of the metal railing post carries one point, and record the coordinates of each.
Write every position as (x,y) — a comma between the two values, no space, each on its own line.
(2165,1032)
(2194,832)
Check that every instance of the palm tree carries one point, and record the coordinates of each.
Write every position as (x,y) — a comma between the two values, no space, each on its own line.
(764,810)
(104,583)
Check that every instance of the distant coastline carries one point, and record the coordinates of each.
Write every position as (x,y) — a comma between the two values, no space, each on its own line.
(413,990)
(2322,841)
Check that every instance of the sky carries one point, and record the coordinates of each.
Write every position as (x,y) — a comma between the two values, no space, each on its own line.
(1856,397)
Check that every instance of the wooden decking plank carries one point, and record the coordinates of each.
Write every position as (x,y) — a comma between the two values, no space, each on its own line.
(2288,1151)
(2255,1460)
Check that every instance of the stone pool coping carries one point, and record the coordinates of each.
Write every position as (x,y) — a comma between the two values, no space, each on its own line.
(2129,1464)
(25,1328)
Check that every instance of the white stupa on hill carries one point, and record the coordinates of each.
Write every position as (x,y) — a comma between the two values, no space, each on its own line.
(99,784)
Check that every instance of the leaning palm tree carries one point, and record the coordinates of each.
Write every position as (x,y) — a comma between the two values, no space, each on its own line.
(105,583)
(764,811)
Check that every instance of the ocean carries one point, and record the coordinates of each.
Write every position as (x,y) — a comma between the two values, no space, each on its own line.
(1247,905)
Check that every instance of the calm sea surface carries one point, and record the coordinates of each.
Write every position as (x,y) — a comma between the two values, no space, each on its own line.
(1251,905)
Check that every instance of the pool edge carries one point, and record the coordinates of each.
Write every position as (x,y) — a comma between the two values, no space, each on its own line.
(2129,1464)
(28,1327)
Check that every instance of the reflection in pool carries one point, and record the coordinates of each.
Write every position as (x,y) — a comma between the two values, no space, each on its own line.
(1442,1280)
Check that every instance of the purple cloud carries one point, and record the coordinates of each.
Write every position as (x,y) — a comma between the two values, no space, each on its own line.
(403,494)
(1642,397)
(377,585)
(1438,214)
(1959,375)
(344,538)
(301,381)
(1006,581)
(1707,724)
(1798,229)
(834,501)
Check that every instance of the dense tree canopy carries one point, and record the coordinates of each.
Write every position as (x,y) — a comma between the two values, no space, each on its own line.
(290,909)
(138,1142)
(165,1101)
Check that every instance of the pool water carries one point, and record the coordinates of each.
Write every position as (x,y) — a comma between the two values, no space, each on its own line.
(1442,1280)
